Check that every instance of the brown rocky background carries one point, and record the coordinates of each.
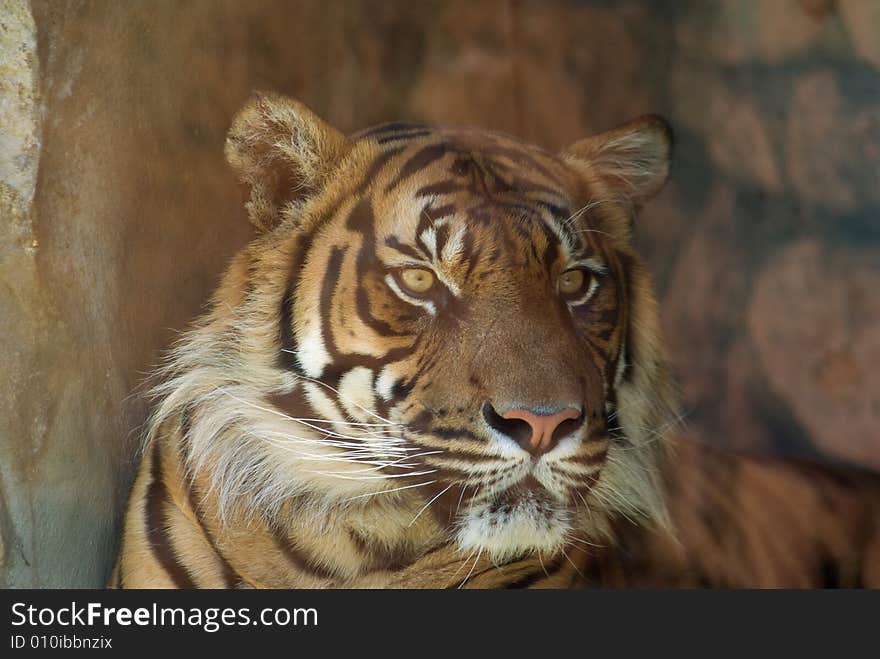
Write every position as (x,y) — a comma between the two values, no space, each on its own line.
(118,212)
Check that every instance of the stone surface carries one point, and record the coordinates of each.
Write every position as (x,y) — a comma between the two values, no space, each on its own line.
(19,121)
(467,73)
(703,309)
(833,144)
(594,73)
(778,144)
(824,363)
(736,32)
(737,134)
(862,20)
(23,319)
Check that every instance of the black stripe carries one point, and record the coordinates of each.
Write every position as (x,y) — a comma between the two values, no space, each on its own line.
(296,556)
(230,577)
(382,557)
(373,170)
(334,263)
(464,456)
(119,562)
(287,356)
(441,238)
(440,188)
(388,128)
(395,244)
(526,581)
(417,162)
(552,250)
(531,579)
(469,256)
(400,390)
(558,214)
(521,185)
(342,362)
(523,159)
(425,223)
(362,221)
(156,520)
(590,460)
(628,298)
(455,433)
(397,137)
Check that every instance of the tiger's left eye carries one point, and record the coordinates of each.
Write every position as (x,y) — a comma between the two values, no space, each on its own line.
(417,280)
(571,282)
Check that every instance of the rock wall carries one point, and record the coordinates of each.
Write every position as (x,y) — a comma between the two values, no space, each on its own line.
(769,278)
(118,212)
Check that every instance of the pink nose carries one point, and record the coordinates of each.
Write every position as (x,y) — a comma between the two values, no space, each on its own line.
(543,427)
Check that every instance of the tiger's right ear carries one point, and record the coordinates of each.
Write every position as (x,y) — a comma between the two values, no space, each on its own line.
(631,161)
(283,152)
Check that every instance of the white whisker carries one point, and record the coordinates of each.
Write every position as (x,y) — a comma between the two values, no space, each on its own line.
(476,560)
(346,476)
(576,569)
(425,507)
(396,489)
(460,498)
(342,457)
(584,542)
(463,563)
(541,561)
(358,445)
(354,403)
(390,440)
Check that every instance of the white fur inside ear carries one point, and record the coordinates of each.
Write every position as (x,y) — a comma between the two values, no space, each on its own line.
(637,159)
(283,152)
(632,159)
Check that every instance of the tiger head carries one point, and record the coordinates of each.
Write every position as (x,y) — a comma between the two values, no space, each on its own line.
(447,321)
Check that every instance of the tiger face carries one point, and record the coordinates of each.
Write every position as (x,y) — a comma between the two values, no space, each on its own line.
(452,320)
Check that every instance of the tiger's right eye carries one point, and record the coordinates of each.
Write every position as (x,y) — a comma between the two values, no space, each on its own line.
(417,280)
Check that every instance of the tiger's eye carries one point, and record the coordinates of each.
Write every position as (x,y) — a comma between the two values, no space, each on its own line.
(571,281)
(418,280)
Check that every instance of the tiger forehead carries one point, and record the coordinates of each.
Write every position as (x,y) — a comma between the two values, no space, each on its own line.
(413,149)
(447,187)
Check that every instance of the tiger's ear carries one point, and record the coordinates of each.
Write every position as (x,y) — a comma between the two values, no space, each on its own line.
(283,152)
(631,161)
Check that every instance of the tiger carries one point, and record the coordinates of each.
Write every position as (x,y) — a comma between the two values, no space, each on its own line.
(439,364)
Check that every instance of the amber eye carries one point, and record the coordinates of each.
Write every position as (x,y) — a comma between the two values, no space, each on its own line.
(571,282)
(417,280)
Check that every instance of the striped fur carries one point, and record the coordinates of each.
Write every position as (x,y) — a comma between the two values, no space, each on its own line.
(323,425)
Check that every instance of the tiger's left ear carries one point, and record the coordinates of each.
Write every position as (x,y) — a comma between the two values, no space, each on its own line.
(283,152)
(631,161)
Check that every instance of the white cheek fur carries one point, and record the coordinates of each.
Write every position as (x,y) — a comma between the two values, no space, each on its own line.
(311,352)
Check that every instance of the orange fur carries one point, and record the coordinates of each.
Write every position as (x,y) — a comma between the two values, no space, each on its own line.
(324,425)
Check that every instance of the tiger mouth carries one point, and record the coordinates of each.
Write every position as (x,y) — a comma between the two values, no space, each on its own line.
(528,492)
(528,482)
(521,520)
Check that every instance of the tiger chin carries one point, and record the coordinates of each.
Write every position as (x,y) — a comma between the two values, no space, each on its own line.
(438,364)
